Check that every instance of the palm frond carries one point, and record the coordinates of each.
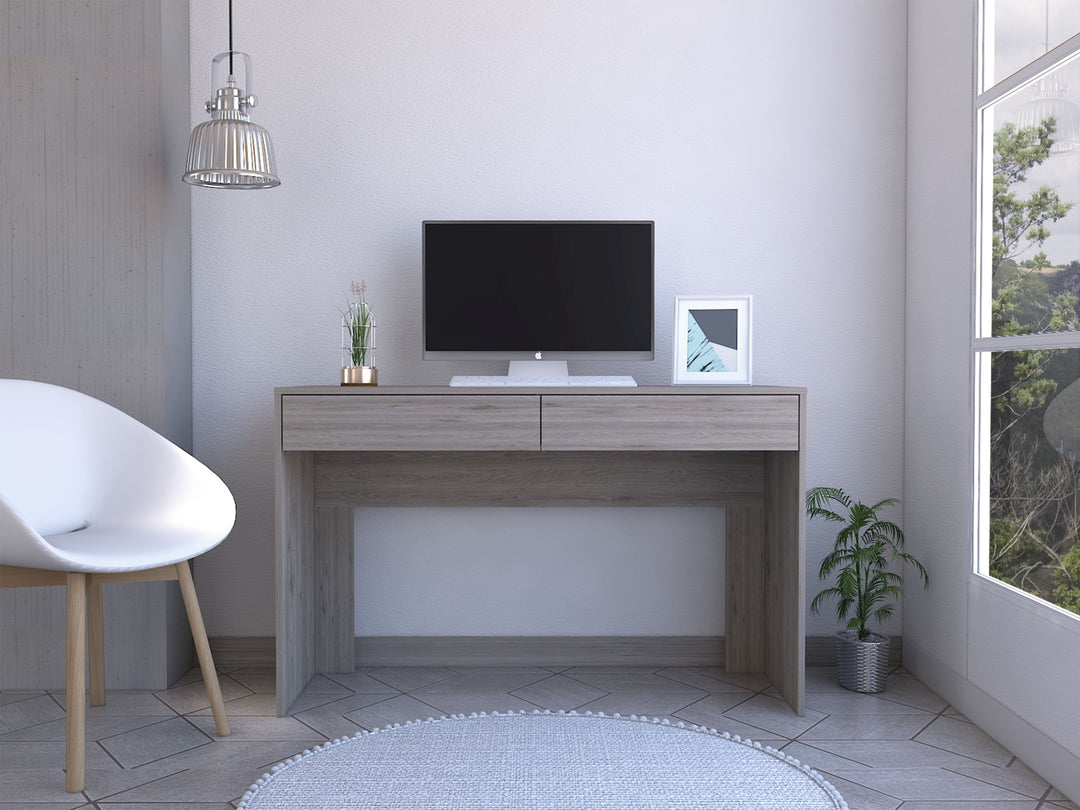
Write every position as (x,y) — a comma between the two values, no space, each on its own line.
(822,597)
(918,566)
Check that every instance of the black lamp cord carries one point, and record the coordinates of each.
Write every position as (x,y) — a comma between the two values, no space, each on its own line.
(230,39)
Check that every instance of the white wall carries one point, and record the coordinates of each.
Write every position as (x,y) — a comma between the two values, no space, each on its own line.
(1004,660)
(765,139)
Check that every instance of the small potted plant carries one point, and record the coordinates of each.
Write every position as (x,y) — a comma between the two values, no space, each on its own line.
(866,545)
(358,340)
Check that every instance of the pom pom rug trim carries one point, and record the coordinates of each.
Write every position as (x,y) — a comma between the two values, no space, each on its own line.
(543,759)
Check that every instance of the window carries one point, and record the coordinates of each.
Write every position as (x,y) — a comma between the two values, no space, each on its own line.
(1027,325)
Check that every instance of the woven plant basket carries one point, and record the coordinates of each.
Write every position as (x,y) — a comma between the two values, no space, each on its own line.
(862,666)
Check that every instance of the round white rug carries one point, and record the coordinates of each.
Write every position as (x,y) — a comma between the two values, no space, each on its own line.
(560,761)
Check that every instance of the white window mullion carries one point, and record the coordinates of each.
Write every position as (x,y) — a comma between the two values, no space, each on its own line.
(1067,50)
(1036,340)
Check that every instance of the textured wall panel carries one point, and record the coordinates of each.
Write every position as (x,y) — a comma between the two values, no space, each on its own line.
(95,268)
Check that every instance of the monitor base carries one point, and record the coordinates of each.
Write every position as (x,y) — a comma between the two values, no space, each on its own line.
(538,368)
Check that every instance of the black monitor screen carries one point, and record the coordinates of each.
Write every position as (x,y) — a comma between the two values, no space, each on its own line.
(538,286)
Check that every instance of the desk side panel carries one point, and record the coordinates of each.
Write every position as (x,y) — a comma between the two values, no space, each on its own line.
(335,619)
(663,422)
(295,567)
(744,611)
(785,569)
(402,422)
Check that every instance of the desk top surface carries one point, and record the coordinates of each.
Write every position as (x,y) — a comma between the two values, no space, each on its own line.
(446,390)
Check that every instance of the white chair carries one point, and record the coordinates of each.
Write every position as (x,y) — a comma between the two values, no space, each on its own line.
(89,495)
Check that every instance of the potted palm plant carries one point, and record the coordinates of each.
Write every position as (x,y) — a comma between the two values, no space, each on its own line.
(866,545)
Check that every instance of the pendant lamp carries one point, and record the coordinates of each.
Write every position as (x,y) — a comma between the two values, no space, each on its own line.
(229,151)
(1050,100)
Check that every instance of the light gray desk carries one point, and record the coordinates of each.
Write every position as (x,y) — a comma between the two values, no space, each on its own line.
(738,447)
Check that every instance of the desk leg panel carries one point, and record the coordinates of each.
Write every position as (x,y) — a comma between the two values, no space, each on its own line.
(295,565)
(335,627)
(785,585)
(744,622)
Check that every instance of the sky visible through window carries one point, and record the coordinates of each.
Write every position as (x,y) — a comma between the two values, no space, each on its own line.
(1022,31)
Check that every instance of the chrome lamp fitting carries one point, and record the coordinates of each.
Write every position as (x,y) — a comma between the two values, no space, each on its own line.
(229,151)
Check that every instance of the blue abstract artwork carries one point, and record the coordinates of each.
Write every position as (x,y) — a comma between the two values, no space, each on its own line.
(712,341)
(700,354)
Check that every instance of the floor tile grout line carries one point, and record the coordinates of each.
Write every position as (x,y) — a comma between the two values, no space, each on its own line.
(318,732)
(387,700)
(141,785)
(1045,791)
(832,776)
(994,784)
(157,697)
(437,680)
(899,702)
(567,674)
(701,672)
(931,722)
(109,754)
(209,741)
(52,697)
(824,751)
(553,675)
(955,753)
(138,728)
(798,737)
(176,753)
(706,696)
(31,695)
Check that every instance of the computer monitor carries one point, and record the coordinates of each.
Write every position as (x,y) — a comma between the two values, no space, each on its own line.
(514,290)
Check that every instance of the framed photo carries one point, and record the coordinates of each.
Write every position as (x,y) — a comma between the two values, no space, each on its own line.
(712,340)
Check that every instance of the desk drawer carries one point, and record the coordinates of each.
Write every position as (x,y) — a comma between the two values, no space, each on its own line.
(391,422)
(675,422)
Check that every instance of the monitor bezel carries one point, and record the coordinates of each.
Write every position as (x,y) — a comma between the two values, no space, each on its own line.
(583,354)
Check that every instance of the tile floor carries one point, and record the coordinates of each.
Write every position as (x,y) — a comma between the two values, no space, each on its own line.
(905,748)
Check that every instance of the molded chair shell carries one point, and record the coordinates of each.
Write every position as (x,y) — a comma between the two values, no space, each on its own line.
(85,487)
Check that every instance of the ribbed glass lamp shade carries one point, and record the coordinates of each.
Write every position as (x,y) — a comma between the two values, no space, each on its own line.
(231,153)
(1050,102)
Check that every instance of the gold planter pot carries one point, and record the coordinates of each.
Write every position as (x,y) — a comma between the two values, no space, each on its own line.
(359,375)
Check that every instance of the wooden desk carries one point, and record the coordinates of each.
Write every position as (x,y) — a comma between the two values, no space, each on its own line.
(742,448)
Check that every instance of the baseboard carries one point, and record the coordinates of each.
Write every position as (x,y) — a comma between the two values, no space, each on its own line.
(540,650)
(232,652)
(235,652)
(1049,759)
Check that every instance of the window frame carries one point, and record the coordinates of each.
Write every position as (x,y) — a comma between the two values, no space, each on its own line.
(982,345)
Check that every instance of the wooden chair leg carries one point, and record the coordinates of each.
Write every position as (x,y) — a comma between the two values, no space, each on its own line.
(76,682)
(202,649)
(96,631)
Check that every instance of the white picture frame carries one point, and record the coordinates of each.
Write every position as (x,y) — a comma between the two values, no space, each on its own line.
(712,343)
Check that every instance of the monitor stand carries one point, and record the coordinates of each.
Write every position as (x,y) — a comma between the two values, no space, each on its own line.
(541,373)
(538,368)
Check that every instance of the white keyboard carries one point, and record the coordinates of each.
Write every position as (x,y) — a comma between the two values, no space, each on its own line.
(542,382)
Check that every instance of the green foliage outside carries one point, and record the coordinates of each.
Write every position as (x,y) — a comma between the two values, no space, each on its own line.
(1067,594)
(1035,510)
